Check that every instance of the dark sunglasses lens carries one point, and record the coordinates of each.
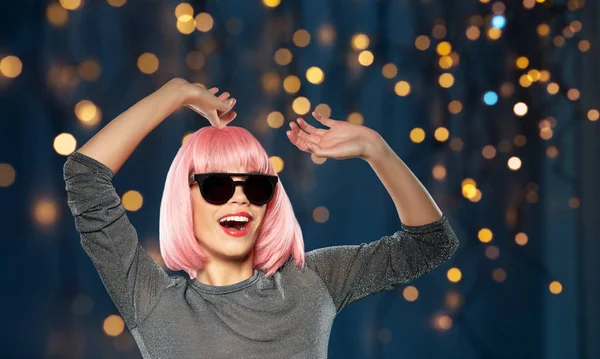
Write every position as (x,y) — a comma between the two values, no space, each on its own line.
(259,190)
(217,189)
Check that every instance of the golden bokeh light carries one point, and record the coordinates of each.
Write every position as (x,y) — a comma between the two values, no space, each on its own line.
(116,3)
(356,118)
(499,275)
(494,33)
(315,75)
(543,29)
(283,57)
(455,107)
(89,70)
(320,214)
(132,200)
(492,252)
(446,80)
(485,235)
(291,84)
(184,11)
(277,163)
(488,152)
(275,119)
(57,15)
(271,3)
(553,88)
(422,42)
(521,238)
(417,135)
(65,144)
(7,175)
(301,105)
(360,42)
(514,163)
(410,293)
(442,322)
(402,88)
(439,172)
(439,31)
(148,63)
(204,22)
(522,62)
(454,275)
(444,48)
(445,62)
(584,45)
(323,109)
(365,58)
(271,82)
(520,109)
(473,33)
(113,325)
(301,38)
(389,71)
(326,34)
(186,25)
(70,4)
(441,134)
(45,212)
(593,115)
(11,66)
(555,287)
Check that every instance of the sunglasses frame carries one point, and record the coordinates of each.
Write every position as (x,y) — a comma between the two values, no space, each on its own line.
(200,177)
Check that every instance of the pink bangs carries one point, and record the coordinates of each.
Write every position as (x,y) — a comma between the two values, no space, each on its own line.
(218,150)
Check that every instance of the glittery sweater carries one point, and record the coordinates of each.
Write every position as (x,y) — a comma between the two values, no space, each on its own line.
(288,315)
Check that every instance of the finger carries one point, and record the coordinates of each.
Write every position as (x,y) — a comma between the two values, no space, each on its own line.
(224,96)
(213,90)
(225,120)
(324,120)
(308,128)
(294,137)
(303,135)
(213,118)
(222,113)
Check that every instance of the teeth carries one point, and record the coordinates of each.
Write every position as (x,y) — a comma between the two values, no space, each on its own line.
(234,218)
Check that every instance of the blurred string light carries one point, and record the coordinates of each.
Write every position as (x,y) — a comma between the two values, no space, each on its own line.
(57,14)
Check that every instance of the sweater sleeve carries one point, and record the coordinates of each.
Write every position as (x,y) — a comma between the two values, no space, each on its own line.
(353,272)
(131,277)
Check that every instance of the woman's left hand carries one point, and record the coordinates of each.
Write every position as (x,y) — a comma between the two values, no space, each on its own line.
(343,140)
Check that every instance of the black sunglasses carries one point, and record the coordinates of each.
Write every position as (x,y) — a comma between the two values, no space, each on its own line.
(218,188)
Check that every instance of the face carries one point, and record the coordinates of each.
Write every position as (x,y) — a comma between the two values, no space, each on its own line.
(217,243)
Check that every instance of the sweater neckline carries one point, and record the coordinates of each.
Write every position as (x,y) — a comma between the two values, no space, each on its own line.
(224,289)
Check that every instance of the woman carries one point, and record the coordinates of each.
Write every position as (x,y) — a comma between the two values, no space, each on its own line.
(226,221)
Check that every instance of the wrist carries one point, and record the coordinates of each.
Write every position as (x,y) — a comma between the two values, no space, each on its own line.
(376,148)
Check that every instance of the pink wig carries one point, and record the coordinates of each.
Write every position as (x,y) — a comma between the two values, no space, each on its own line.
(211,149)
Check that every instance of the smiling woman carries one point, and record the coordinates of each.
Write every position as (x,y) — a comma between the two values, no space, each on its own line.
(191,236)
(225,219)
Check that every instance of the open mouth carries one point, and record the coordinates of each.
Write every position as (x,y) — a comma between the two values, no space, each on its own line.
(236,225)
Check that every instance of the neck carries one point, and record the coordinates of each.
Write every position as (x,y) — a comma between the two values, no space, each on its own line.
(221,273)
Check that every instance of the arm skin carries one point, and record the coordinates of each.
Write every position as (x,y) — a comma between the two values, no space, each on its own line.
(113,145)
(414,204)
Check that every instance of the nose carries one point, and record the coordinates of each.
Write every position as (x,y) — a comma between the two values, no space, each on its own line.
(239,196)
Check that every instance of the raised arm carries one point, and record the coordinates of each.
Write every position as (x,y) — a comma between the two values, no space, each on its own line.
(113,145)
(426,241)
(130,275)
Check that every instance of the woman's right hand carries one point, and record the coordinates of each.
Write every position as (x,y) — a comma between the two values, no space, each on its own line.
(217,110)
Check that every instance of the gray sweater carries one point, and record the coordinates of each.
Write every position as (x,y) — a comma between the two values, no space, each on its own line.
(289,315)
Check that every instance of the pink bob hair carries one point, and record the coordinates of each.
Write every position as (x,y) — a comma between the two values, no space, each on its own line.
(211,149)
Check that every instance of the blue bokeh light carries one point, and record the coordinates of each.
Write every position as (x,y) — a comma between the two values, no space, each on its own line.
(490,98)
(498,21)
